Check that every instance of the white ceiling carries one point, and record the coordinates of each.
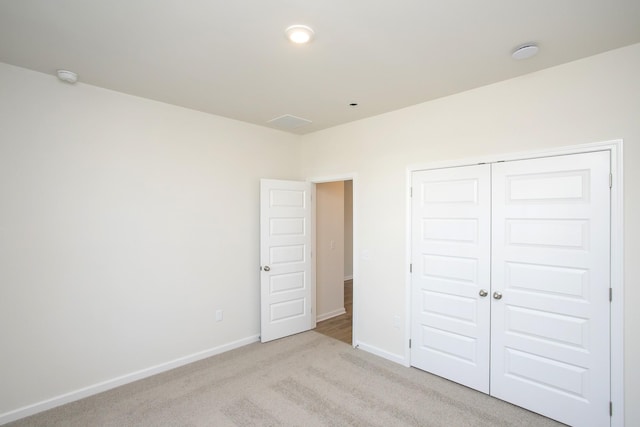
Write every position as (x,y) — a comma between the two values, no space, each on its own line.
(231,58)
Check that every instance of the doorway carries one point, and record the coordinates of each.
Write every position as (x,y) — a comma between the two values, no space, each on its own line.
(334,259)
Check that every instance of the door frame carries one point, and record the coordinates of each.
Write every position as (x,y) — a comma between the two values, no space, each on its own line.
(617,249)
(336,178)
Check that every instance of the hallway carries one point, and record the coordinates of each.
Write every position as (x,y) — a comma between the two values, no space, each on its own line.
(340,327)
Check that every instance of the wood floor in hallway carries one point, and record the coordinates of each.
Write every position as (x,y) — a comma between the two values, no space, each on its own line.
(340,327)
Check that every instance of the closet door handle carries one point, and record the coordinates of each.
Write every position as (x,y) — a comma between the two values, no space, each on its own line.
(483,293)
(267,268)
(497,295)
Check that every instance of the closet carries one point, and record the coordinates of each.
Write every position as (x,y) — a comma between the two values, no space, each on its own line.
(510,282)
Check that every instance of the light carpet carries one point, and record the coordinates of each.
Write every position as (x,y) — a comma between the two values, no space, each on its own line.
(307,379)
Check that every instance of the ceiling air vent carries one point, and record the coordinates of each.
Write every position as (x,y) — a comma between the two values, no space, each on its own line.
(289,122)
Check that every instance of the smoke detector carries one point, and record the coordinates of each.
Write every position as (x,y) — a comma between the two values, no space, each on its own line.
(67,76)
(525,51)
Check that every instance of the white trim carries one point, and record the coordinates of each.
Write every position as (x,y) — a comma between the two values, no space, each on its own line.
(72,396)
(330,314)
(407,275)
(523,155)
(332,178)
(617,284)
(356,297)
(314,250)
(397,358)
(355,317)
(617,249)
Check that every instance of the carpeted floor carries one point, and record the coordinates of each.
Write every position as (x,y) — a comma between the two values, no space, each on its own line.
(307,379)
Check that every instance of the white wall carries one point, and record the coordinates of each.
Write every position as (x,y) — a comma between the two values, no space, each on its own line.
(124,224)
(329,249)
(592,100)
(348,229)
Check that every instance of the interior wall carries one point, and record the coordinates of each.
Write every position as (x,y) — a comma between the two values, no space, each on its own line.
(591,100)
(329,249)
(120,234)
(348,230)
(125,224)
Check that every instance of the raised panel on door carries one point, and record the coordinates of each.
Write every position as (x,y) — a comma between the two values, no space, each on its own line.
(450,257)
(285,257)
(550,262)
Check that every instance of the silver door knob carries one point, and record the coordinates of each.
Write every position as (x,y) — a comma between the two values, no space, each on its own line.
(497,295)
(267,268)
(483,293)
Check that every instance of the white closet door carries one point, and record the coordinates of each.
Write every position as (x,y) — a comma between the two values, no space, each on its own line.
(451,247)
(550,263)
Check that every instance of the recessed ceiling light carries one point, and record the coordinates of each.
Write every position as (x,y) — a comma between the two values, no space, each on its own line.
(67,76)
(299,34)
(525,51)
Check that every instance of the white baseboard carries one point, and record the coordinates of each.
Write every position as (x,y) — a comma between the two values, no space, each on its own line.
(381,353)
(348,278)
(72,396)
(330,314)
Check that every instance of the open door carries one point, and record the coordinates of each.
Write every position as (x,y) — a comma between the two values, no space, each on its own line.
(285,259)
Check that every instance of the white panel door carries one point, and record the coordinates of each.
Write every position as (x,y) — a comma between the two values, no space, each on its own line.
(285,258)
(550,286)
(450,274)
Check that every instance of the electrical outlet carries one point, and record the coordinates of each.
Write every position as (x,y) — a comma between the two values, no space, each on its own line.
(219,315)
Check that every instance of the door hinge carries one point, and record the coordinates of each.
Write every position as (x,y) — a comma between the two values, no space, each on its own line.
(611,409)
(409,342)
(410,268)
(610,180)
(610,294)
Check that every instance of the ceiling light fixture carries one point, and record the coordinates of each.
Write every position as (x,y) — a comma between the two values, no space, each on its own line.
(67,76)
(299,34)
(525,51)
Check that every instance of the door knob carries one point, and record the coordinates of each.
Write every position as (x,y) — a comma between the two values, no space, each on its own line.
(267,268)
(497,295)
(483,293)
